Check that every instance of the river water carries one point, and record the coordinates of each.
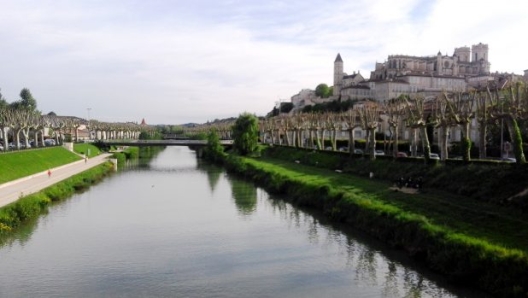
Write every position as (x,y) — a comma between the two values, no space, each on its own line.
(178,227)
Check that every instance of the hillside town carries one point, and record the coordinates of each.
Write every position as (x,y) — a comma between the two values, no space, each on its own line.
(427,76)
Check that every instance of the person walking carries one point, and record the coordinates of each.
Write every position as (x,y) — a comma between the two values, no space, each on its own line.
(49,173)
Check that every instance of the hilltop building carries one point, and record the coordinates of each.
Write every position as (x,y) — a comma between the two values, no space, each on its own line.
(406,74)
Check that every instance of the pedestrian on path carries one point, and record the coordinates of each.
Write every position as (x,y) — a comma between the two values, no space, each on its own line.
(49,173)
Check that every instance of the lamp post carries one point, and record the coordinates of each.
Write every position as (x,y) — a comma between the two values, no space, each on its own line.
(89,132)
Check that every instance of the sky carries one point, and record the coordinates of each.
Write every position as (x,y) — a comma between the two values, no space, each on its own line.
(176,62)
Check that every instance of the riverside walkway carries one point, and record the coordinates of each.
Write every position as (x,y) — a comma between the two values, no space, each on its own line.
(13,190)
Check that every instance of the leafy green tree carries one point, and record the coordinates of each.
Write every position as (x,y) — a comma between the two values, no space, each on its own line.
(3,102)
(214,150)
(322,90)
(245,134)
(27,101)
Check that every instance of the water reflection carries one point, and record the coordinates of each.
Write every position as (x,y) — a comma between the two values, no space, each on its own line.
(368,266)
(245,195)
(200,232)
(213,173)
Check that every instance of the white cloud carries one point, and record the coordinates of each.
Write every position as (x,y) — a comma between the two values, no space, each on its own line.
(173,62)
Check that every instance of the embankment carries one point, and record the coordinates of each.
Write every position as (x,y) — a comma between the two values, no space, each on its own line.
(447,244)
(15,214)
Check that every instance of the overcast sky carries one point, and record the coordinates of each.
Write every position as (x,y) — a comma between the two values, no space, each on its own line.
(175,62)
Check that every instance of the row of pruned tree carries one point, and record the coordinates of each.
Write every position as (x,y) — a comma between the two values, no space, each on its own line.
(20,121)
(450,110)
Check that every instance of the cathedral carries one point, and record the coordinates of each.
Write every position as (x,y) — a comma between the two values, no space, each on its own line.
(405,74)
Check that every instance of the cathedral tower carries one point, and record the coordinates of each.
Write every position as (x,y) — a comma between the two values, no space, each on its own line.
(338,75)
(480,53)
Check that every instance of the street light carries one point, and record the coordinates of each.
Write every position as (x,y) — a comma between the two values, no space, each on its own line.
(89,133)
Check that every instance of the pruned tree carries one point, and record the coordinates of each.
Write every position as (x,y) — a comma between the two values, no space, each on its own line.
(511,105)
(415,119)
(369,116)
(482,101)
(394,113)
(351,120)
(461,109)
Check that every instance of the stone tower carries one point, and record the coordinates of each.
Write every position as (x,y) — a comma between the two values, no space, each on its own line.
(480,53)
(338,75)
(463,54)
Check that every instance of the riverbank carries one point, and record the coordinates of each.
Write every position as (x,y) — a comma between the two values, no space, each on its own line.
(31,206)
(465,240)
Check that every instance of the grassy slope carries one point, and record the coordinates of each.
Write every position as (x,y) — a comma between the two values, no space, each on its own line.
(20,164)
(461,215)
(82,148)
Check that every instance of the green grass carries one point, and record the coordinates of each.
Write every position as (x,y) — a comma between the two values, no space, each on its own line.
(462,238)
(457,214)
(83,148)
(15,165)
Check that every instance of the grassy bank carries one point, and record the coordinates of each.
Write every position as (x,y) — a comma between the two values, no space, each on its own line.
(30,207)
(490,182)
(15,165)
(466,240)
(87,149)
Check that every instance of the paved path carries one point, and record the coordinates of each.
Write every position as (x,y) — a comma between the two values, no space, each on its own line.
(13,190)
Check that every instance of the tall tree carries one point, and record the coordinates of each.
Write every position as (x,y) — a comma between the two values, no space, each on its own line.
(245,134)
(322,90)
(416,119)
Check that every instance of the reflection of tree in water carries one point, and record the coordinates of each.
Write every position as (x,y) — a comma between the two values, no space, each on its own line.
(390,288)
(22,234)
(366,265)
(413,284)
(245,195)
(213,173)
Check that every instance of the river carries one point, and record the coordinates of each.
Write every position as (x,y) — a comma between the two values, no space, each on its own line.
(178,227)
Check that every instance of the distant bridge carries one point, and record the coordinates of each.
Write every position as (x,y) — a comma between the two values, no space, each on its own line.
(146,143)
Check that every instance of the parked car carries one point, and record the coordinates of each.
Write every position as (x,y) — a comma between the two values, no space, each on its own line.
(508,159)
(401,154)
(434,156)
(379,152)
(358,151)
(344,149)
(49,142)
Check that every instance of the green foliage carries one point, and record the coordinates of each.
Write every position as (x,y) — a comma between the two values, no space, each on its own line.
(121,158)
(476,243)
(85,148)
(332,106)
(26,101)
(214,150)
(150,135)
(132,152)
(245,134)
(322,90)
(20,164)
(284,107)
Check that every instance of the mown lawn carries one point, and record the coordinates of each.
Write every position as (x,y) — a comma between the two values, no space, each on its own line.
(15,165)
(86,148)
(498,226)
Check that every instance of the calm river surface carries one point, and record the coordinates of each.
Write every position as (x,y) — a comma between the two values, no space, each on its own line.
(182,228)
